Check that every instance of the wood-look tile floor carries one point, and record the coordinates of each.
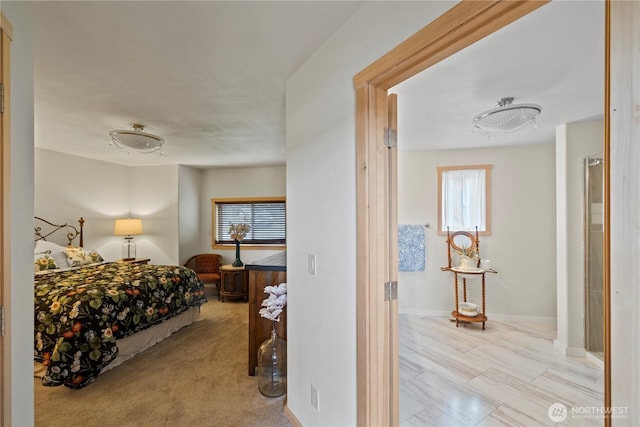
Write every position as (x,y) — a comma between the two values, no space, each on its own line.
(506,375)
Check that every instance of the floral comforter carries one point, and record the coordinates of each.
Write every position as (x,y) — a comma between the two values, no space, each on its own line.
(80,313)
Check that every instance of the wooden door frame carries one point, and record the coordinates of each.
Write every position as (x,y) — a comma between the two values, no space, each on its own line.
(6,35)
(461,26)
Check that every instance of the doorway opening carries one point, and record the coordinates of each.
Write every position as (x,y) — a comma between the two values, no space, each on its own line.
(460,27)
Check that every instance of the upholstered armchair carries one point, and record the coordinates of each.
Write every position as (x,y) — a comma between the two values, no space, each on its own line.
(207,267)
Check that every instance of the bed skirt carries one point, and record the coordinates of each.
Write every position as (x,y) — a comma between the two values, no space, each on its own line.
(140,341)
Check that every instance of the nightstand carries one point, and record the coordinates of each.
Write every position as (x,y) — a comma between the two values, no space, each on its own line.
(234,282)
(136,261)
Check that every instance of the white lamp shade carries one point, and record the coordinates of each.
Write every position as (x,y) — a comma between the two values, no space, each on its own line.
(128,227)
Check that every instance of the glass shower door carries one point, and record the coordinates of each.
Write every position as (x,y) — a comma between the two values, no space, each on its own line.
(594,239)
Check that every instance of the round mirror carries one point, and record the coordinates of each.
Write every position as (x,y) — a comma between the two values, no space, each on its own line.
(461,240)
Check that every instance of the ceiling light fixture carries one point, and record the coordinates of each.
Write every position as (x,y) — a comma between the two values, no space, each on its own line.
(506,117)
(136,139)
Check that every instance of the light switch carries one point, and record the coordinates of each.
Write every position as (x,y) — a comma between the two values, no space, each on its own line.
(311,264)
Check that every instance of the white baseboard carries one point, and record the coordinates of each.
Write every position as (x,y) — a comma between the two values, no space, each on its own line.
(514,318)
(559,346)
(428,313)
(597,361)
(576,352)
(291,417)
(497,317)
(569,351)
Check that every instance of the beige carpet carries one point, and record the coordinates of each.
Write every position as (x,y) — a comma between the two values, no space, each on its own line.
(196,377)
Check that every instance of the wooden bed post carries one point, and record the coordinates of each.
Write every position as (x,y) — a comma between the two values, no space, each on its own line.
(81,222)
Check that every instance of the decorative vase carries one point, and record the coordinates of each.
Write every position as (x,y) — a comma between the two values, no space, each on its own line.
(237,262)
(467,263)
(272,366)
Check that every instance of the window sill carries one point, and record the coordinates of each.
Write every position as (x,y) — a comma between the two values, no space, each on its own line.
(251,247)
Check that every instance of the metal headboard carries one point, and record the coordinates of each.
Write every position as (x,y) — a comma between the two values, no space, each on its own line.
(71,232)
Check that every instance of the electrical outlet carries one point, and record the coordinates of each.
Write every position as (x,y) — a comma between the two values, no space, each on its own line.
(311,264)
(315,398)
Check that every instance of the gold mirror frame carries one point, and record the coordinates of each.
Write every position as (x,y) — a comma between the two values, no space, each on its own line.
(471,238)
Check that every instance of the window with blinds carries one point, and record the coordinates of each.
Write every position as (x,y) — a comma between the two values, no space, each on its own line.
(266,218)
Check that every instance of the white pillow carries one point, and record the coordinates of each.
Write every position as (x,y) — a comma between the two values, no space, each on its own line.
(57,252)
(42,262)
(79,256)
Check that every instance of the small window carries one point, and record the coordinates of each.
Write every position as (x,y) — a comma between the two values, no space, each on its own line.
(265,216)
(464,199)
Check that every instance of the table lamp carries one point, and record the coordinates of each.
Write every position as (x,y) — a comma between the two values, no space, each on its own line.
(128,227)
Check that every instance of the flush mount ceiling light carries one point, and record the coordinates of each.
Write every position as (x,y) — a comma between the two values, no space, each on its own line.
(136,139)
(506,117)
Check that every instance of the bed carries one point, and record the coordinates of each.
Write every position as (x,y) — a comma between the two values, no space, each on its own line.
(91,315)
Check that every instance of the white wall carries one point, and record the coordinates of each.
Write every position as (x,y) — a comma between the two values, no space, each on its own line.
(562,239)
(153,194)
(574,143)
(238,183)
(321,209)
(522,238)
(18,344)
(173,202)
(189,203)
(68,187)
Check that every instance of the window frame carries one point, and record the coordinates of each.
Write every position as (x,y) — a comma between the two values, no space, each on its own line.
(243,200)
(487,184)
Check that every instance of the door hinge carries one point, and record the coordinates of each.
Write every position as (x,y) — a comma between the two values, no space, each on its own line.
(390,291)
(1,97)
(390,137)
(2,321)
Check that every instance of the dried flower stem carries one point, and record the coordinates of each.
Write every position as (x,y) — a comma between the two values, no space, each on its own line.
(469,251)
(274,304)
(239,231)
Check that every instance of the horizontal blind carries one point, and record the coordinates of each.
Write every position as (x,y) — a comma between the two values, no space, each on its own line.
(266,219)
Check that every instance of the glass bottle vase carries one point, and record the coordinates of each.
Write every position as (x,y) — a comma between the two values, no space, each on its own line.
(272,366)
(128,248)
(237,262)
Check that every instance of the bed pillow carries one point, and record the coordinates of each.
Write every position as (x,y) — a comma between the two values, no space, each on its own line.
(79,256)
(56,251)
(42,261)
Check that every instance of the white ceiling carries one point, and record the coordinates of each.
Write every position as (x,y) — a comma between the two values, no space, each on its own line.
(209,77)
(553,57)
